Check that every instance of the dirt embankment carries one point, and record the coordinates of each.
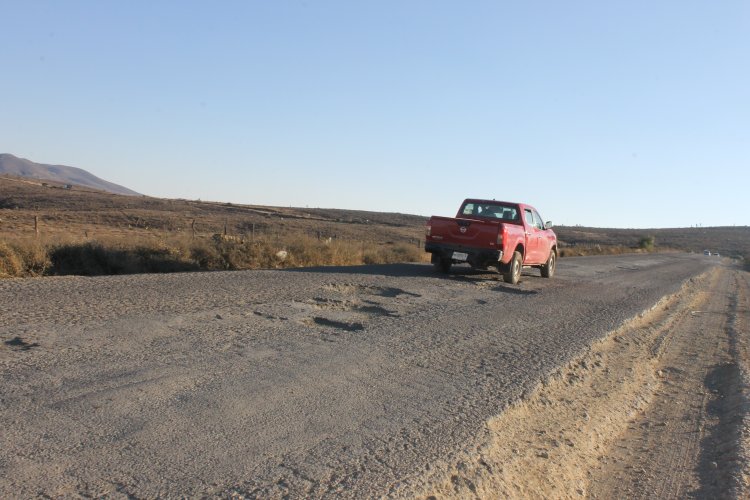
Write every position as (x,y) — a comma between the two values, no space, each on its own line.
(659,409)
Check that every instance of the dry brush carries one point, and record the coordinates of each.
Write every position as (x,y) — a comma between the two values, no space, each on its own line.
(91,257)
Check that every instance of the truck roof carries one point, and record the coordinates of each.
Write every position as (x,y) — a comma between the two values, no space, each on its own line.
(480,200)
(501,202)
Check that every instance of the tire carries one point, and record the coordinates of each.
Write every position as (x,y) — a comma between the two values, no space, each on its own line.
(548,269)
(442,265)
(513,274)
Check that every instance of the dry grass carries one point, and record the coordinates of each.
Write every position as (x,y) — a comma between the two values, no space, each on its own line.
(10,262)
(25,257)
(599,249)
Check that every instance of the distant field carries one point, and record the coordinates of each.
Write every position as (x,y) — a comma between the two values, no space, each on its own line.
(47,229)
(733,241)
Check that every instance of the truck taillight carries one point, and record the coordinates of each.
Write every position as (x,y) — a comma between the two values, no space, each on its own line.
(500,236)
(428,230)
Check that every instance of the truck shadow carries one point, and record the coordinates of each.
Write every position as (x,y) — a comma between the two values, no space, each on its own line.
(390,270)
(489,280)
(493,282)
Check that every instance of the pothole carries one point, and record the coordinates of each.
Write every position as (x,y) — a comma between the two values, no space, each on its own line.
(18,344)
(340,325)
(348,305)
(380,291)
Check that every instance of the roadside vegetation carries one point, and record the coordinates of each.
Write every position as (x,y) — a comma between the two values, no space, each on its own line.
(581,250)
(109,255)
(29,257)
(647,243)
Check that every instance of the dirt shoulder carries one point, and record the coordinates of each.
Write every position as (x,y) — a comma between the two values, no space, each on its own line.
(658,409)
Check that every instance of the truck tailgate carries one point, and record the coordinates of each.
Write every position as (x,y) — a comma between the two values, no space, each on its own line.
(464,232)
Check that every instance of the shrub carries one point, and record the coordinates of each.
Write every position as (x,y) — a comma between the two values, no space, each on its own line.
(647,243)
(204,255)
(35,258)
(162,260)
(89,259)
(94,259)
(10,263)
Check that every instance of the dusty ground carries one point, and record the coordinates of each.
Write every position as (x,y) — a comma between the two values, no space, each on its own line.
(368,382)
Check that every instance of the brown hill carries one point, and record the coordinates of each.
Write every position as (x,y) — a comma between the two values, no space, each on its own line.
(21,167)
(79,212)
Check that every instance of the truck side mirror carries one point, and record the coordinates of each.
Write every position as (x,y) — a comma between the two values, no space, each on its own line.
(548,225)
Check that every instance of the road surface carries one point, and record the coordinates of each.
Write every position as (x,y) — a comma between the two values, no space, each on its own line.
(326,382)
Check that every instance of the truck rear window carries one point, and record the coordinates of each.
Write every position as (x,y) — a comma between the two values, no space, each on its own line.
(490,211)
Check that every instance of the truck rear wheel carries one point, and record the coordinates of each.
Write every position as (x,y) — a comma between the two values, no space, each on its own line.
(441,264)
(513,274)
(548,269)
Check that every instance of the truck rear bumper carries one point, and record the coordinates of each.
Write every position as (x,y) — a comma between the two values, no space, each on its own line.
(480,257)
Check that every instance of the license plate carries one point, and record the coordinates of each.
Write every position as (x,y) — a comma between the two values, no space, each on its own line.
(460,256)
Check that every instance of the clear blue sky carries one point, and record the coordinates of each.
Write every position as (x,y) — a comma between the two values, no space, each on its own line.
(600,113)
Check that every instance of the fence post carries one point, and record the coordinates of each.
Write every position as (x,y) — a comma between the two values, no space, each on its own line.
(225,227)
(192,227)
(36,225)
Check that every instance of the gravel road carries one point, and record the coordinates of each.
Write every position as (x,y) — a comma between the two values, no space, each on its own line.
(327,382)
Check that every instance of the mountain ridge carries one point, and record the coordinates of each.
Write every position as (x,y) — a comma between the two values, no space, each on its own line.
(22,167)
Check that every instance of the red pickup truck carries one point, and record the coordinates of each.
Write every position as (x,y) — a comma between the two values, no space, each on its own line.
(493,233)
